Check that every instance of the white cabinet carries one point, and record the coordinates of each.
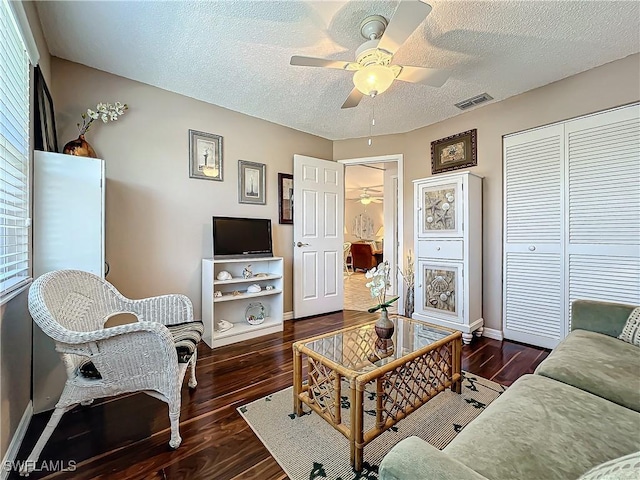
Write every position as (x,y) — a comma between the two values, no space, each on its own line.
(571,221)
(68,233)
(234,298)
(448,246)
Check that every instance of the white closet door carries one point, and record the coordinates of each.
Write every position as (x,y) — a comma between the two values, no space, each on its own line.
(534,296)
(603,247)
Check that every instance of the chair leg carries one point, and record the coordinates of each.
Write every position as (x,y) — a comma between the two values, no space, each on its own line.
(192,374)
(174,418)
(30,463)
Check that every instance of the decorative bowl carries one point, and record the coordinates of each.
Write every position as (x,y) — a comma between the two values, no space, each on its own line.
(255,313)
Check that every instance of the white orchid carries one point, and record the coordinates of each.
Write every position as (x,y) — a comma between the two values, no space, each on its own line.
(380,281)
(106,112)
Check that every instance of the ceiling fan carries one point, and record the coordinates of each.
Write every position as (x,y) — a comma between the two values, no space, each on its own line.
(373,70)
(366,198)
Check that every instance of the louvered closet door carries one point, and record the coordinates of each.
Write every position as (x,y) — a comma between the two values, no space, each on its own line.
(603,246)
(533,290)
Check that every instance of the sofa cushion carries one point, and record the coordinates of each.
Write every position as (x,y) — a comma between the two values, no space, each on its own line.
(540,428)
(599,364)
(622,468)
(631,330)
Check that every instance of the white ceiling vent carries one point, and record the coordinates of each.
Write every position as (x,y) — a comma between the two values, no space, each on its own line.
(473,101)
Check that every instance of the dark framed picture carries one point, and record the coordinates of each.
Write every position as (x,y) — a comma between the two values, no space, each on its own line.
(454,152)
(44,135)
(205,156)
(285,197)
(251,182)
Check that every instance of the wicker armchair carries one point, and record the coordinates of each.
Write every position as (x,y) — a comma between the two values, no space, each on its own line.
(72,307)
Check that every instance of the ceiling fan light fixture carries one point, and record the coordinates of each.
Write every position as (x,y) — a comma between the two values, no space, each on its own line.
(373,79)
(366,200)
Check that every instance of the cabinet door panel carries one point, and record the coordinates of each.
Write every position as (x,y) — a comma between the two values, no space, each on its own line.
(440,290)
(441,210)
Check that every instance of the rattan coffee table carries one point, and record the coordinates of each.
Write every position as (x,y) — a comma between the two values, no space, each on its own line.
(423,361)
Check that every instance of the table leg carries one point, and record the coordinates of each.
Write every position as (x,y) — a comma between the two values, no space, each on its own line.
(357,427)
(297,382)
(456,363)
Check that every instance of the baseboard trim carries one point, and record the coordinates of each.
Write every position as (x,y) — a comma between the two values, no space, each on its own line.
(492,333)
(287,316)
(16,441)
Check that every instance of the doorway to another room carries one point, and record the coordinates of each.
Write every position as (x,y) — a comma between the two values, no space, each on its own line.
(372,234)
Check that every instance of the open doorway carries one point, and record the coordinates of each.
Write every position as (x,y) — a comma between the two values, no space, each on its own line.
(372,225)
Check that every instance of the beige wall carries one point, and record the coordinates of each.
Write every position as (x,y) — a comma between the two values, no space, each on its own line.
(159,219)
(15,322)
(610,85)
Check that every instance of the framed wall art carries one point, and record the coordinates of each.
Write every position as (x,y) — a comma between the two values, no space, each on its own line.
(205,156)
(454,152)
(45,138)
(285,198)
(251,182)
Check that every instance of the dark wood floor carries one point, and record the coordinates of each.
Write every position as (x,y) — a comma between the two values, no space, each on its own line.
(127,437)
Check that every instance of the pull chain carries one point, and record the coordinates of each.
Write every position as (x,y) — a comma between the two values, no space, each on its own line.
(373,122)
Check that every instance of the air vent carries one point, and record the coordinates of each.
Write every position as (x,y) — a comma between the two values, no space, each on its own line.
(473,101)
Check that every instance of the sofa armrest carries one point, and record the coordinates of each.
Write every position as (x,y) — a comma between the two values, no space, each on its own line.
(600,317)
(415,459)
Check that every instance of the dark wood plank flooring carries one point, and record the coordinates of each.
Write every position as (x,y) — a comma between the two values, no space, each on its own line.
(127,437)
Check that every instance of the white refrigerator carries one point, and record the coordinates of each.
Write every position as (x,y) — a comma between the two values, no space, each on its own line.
(68,233)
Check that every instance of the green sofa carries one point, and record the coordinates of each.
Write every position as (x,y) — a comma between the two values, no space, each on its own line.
(579,409)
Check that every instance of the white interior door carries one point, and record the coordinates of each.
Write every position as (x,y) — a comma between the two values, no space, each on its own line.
(318,235)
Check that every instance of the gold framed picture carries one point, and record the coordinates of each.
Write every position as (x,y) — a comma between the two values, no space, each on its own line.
(454,152)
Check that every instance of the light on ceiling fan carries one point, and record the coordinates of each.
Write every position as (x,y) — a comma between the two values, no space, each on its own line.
(365,200)
(374,79)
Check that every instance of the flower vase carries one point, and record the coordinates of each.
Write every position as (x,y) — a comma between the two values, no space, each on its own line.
(384,327)
(408,302)
(79,147)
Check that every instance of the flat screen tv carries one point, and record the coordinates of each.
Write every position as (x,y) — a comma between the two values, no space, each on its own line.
(241,237)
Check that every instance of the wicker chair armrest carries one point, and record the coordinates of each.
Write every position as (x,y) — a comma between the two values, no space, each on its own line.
(71,337)
(164,309)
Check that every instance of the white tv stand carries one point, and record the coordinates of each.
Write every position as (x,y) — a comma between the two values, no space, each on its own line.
(231,307)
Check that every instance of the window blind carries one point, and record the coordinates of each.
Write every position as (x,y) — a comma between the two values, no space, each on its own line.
(14,154)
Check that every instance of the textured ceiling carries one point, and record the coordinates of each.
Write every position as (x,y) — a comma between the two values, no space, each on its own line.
(359,177)
(236,53)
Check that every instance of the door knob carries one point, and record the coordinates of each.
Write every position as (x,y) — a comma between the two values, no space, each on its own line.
(532,248)
(300,244)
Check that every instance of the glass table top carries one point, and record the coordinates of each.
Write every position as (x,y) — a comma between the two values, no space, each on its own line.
(360,349)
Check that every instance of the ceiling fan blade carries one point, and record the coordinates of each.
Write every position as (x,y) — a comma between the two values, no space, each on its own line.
(408,15)
(319,62)
(353,99)
(428,76)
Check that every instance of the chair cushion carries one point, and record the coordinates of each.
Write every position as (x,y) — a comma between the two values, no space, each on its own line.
(186,337)
(598,364)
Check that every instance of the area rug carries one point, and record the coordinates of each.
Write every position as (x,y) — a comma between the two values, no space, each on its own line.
(308,448)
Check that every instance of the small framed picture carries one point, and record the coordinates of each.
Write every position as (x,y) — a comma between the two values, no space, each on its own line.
(454,152)
(251,182)
(285,197)
(205,155)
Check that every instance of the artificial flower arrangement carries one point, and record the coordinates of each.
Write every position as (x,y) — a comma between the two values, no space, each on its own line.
(380,281)
(106,112)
